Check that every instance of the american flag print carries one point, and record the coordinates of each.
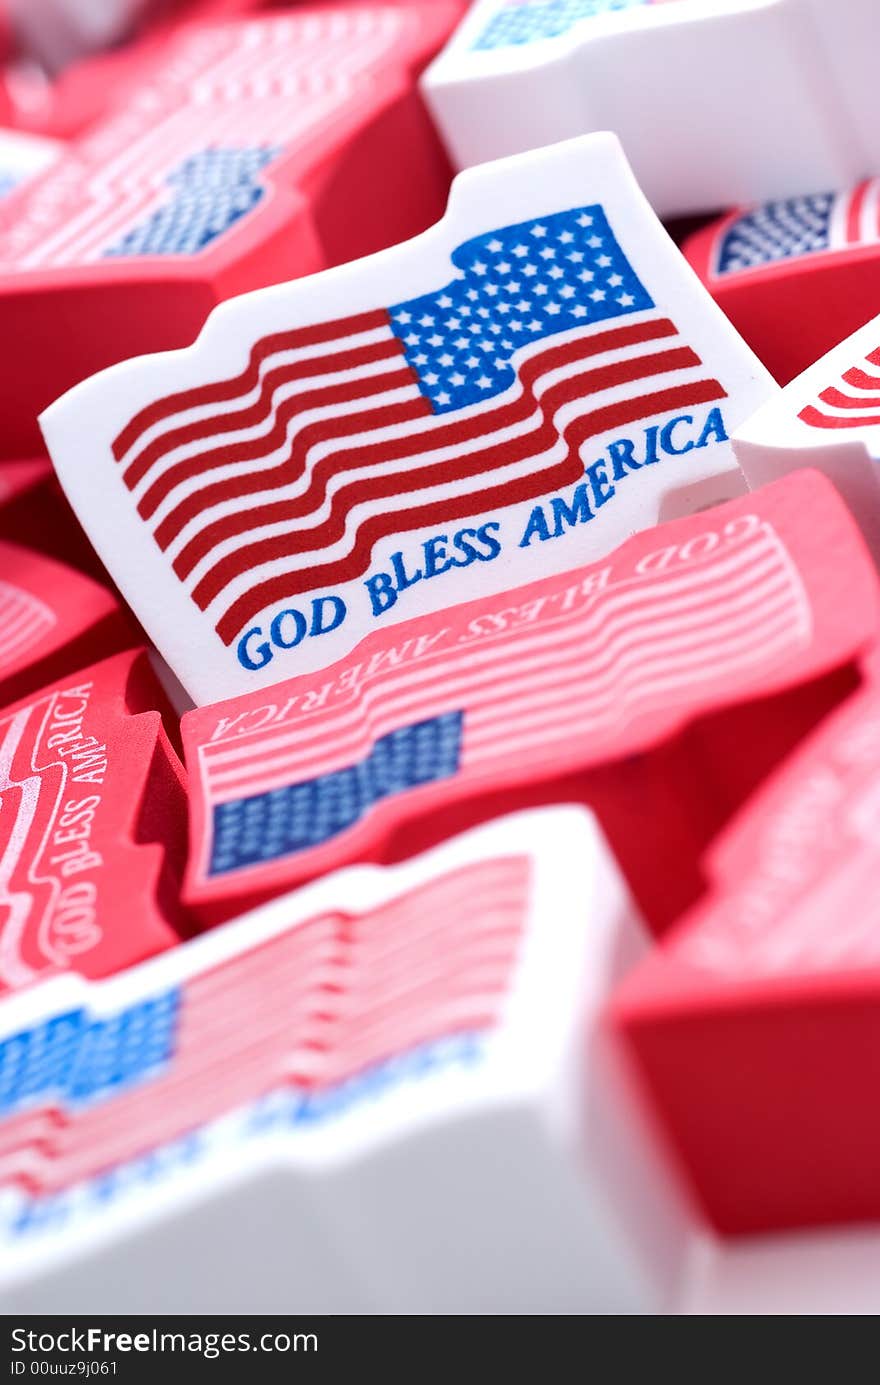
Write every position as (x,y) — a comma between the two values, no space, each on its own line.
(25,620)
(475,396)
(526,21)
(797,226)
(853,401)
(188,158)
(458,714)
(327,1001)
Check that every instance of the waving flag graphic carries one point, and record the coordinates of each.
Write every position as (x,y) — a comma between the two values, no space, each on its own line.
(480,394)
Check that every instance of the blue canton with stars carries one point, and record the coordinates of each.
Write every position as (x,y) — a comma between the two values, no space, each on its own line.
(212,190)
(777,231)
(77,1058)
(281,822)
(513,287)
(537,19)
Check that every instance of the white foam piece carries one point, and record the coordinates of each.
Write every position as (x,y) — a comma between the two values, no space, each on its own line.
(503,1171)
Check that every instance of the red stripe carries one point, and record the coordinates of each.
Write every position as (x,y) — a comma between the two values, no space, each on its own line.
(222,391)
(838,400)
(376,527)
(854,213)
(861,380)
(433,473)
(261,409)
(815,419)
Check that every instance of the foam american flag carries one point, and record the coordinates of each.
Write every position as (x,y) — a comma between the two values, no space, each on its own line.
(850,401)
(788,229)
(328,999)
(392,401)
(51,618)
(478,369)
(183,162)
(516,22)
(512,692)
(24,621)
(77,771)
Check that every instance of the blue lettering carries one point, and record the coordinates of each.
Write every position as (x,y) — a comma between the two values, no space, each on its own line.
(666,436)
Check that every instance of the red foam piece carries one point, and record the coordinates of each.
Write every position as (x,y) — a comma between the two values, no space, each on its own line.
(256,152)
(18,476)
(797,276)
(755,1026)
(714,641)
(92,826)
(53,621)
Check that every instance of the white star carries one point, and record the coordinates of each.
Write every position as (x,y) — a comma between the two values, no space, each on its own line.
(457,378)
(413,339)
(555,272)
(464,310)
(523,305)
(530,270)
(597,295)
(445,359)
(519,251)
(500,363)
(566,237)
(535,326)
(483,312)
(472,295)
(435,340)
(548,253)
(478,267)
(513,286)
(426,321)
(476,327)
(495,246)
(403,317)
(539,290)
(452,323)
(615,280)
(603,261)
(626,300)
(491,289)
(594,242)
(584,220)
(442,397)
(504,308)
(484,382)
(444,301)
(515,325)
(460,343)
(503,266)
(578,310)
(431,378)
(472,362)
(566,291)
(586,275)
(495,328)
(539,231)
(507,344)
(576,256)
(552,308)
(486,345)
(420,359)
